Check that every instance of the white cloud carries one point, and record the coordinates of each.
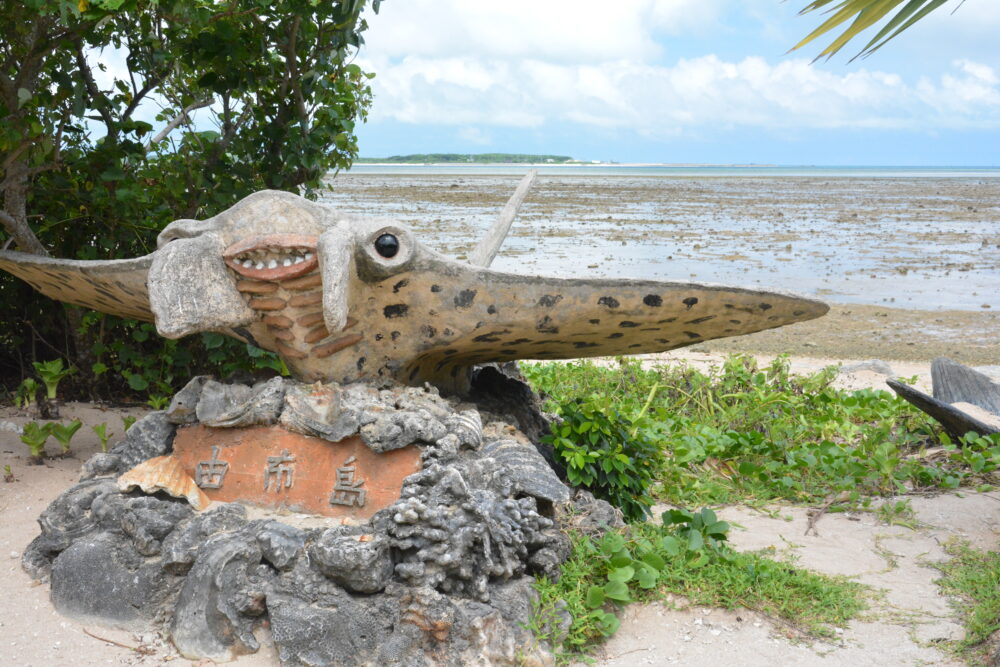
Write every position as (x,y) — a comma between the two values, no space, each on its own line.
(692,93)
(569,31)
(528,63)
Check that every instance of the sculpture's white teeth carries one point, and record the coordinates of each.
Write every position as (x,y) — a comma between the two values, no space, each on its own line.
(273,257)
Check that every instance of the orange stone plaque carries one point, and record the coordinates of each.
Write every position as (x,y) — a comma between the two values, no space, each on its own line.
(272,467)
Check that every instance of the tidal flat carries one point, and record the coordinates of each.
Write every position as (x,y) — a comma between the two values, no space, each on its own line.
(910,266)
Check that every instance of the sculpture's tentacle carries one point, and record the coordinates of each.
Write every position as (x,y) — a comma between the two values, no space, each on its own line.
(117,286)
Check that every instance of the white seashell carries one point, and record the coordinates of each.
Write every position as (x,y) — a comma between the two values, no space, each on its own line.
(164,473)
(468,426)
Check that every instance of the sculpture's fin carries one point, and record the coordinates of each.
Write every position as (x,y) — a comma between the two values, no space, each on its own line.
(116,287)
(495,316)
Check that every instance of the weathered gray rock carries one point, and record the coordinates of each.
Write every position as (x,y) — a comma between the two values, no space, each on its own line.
(153,435)
(236,405)
(440,577)
(467,427)
(588,515)
(873,365)
(280,544)
(181,547)
(454,538)
(527,470)
(66,519)
(102,464)
(100,578)
(320,411)
(210,619)
(182,409)
(316,622)
(356,559)
(148,519)
(385,430)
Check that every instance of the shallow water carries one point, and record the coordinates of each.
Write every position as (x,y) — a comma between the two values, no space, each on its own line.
(913,242)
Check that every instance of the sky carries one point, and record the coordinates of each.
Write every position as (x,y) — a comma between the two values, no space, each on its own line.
(678,81)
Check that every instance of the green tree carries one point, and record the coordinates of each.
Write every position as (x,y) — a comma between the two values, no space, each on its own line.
(99,144)
(865,14)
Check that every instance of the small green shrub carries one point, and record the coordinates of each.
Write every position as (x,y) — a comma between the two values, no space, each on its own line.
(607,452)
(102,434)
(158,401)
(35,435)
(27,393)
(127,421)
(63,433)
(52,373)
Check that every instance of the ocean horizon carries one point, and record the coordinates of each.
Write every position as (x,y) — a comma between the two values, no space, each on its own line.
(681,171)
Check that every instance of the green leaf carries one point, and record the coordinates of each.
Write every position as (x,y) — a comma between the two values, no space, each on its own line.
(617,590)
(717,528)
(695,541)
(609,624)
(23,97)
(595,597)
(622,574)
(138,382)
(699,561)
(671,545)
(654,560)
(612,543)
(647,577)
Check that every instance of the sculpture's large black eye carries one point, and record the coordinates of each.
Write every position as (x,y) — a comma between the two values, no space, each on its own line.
(387,245)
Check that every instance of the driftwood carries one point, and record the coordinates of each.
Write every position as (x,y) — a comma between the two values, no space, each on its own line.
(955,422)
(955,383)
(488,248)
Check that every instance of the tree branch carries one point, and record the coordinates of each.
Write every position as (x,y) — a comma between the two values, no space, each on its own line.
(95,93)
(182,117)
(28,174)
(23,236)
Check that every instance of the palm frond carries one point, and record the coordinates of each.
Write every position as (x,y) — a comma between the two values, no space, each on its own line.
(865,13)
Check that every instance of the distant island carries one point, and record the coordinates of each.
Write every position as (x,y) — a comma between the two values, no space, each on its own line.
(476,158)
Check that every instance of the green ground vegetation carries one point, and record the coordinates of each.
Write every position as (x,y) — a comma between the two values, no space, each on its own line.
(972,577)
(749,434)
(737,433)
(684,554)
